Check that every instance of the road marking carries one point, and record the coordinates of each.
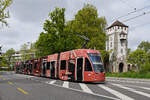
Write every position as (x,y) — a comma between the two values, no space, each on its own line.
(52,82)
(132,90)
(95,94)
(10,83)
(21,90)
(30,76)
(146,88)
(66,84)
(85,88)
(116,93)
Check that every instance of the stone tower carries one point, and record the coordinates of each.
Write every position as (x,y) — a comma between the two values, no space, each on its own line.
(117,45)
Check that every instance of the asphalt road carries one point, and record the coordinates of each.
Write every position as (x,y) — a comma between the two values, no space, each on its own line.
(23,87)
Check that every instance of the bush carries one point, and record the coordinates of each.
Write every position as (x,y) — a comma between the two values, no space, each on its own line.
(145,68)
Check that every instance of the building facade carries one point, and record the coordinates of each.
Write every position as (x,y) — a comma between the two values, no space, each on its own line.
(117,46)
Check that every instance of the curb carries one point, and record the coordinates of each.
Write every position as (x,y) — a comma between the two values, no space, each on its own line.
(127,79)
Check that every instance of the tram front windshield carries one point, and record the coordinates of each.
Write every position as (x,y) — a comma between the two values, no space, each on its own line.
(96,61)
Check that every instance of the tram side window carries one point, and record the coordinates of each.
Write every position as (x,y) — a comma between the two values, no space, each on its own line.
(71,67)
(24,65)
(88,66)
(44,64)
(30,66)
(63,65)
(27,66)
(53,64)
(48,65)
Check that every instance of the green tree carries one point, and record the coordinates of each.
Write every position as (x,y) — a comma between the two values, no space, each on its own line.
(129,51)
(138,57)
(105,57)
(9,54)
(8,58)
(4,62)
(26,52)
(145,68)
(144,45)
(59,36)
(4,4)
(88,23)
(55,36)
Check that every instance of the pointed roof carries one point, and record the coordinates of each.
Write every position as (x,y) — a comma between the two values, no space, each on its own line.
(117,23)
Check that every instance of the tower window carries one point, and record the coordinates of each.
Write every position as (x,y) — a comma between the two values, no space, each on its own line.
(111,44)
(122,51)
(107,48)
(121,43)
(110,38)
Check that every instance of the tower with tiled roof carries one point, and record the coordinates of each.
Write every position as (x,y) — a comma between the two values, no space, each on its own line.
(117,45)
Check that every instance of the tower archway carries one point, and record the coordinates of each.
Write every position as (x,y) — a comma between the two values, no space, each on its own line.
(121,65)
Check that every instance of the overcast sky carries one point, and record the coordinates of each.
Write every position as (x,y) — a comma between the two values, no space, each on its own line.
(27,17)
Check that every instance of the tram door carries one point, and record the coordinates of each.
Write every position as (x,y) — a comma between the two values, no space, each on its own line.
(79,69)
(53,69)
(71,68)
(44,69)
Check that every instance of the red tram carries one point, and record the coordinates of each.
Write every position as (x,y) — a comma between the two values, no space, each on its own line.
(77,65)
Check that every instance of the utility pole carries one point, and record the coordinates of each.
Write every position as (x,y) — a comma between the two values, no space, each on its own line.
(0,50)
(0,53)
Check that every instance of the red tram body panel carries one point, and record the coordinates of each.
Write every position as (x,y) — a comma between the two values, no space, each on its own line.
(76,65)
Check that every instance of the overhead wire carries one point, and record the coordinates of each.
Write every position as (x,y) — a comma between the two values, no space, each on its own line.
(144,13)
(136,10)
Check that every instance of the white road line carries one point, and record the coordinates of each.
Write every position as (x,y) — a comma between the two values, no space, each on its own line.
(30,76)
(47,82)
(132,90)
(66,84)
(146,88)
(52,82)
(85,88)
(116,93)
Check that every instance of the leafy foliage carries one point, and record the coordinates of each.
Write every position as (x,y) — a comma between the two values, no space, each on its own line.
(3,14)
(59,36)
(9,54)
(53,38)
(105,57)
(27,51)
(138,57)
(3,62)
(145,68)
(88,23)
(141,57)
(144,45)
